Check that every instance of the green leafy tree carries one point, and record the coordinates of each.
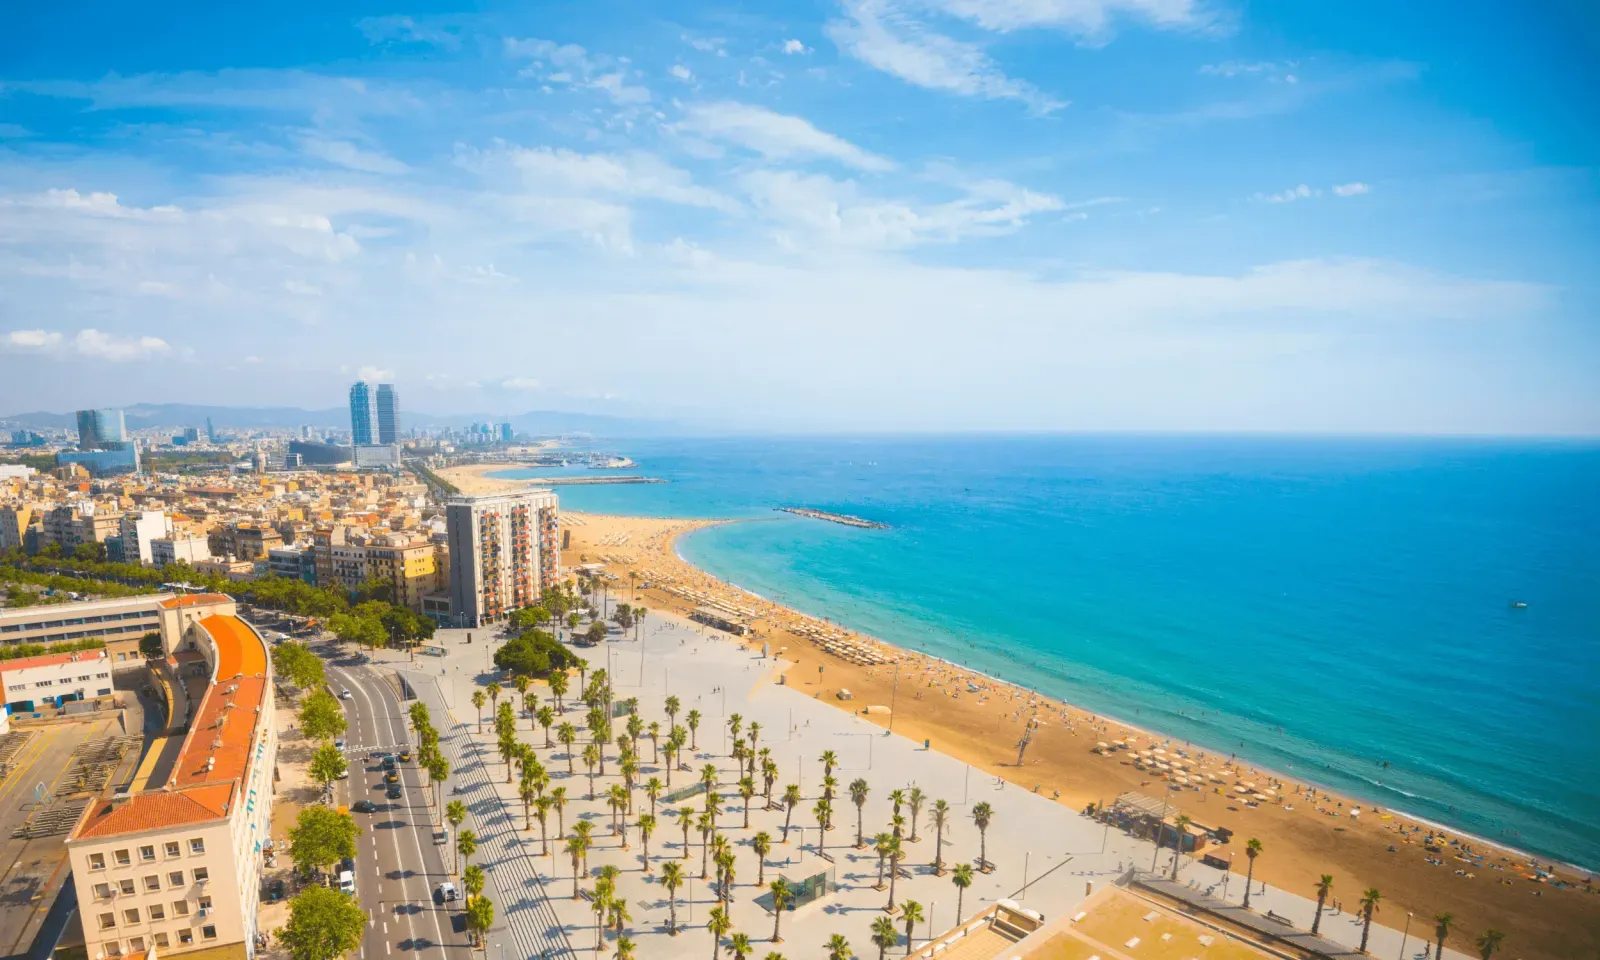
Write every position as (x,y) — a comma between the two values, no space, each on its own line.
(533,654)
(1252,849)
(884,935)
(328,765)
(321,717)
(150,646)
(672,879)
(961,876)
(480,916)
(782,898)
(858,796)
(1369,906)
(1324,887)
(322,836)
(1441,930)
(293,661)
(323,924)
(1488,943)
(941,816)
(982,816)
(719,924)
(910,915)
(838,947)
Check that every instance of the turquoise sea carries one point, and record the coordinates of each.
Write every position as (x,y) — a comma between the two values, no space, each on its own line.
(1339,610)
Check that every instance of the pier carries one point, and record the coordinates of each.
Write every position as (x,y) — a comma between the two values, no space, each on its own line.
(586,481)
(842,518)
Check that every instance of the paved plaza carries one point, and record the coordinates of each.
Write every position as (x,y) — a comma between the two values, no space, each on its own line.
(1044,856)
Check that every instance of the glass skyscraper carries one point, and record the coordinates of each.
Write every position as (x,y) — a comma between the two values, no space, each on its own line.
(360,413)
(101,430)
(388,414)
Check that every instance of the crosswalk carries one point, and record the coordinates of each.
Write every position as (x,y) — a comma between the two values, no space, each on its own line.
(510,865)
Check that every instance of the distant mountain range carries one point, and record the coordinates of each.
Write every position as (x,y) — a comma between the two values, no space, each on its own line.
(174,415)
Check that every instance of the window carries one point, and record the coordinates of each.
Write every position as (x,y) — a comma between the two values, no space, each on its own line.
(83,678)
(97,861)
(209,931)
(122,858)
(127,886)
(161,940)
(205,903)
(145,853)
(186,935)
(172,848)
(107,921)
(102,676)
(102,890)
(175,878)
(136,944)
(113,948)
(130,915)
(180,908)
(197,845)
(152,882)
(201,874)
(157,911)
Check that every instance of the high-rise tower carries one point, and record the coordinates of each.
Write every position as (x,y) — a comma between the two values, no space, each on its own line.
(360,413)
(388,414)
(504,553)
(101,429)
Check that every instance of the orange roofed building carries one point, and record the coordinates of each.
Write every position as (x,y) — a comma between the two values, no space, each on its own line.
(178,867)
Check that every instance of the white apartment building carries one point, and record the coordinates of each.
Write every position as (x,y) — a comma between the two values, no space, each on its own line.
(139,531)
(178,867)
(504,553)
(190,550)
(54,679)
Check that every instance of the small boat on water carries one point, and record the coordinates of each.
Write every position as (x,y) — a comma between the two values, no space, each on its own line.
(1518,605)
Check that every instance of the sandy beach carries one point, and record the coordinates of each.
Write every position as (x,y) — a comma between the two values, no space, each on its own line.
(1305,832)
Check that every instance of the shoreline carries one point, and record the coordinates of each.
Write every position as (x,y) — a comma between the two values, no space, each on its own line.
(1305,825)
(1377,807)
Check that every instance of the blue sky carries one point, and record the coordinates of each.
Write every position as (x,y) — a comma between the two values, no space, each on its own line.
(864,214)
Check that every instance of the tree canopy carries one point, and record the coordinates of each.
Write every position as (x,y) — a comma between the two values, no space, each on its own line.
(321,716)
(328,764)
(323,924)
(299,665)
(534,654)
(322,837)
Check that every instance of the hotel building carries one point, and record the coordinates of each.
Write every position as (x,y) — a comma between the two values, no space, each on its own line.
(178,868)
(504,552)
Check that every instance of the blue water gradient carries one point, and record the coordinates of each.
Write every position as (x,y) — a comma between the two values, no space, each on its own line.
(1319,606)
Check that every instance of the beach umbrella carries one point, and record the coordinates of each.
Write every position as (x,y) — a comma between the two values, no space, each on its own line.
(1240,789)
(1259,797)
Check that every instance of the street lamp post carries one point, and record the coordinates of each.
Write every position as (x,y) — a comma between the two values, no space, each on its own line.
(1405,936)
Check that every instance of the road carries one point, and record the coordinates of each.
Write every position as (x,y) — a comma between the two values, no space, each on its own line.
(398,864)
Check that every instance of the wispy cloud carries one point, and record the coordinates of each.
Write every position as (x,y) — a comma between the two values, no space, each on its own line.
(565,171)
(885,37)
(776,135)
(1090,19)
(1351,189)
(400,29)
(89,343)
(1305,192)
(520,383)
(572,65)
(345,154)
(795,47)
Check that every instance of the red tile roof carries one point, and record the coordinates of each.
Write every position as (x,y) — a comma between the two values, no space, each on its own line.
(195,600)
(50,660)
(157,809)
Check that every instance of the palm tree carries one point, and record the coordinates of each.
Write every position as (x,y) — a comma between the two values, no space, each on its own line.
(624,949)
(1369,906)
(619,915)
(493,690)
(672,879)
(708,825)
(858,796)
(1441,929)
(1324,887)
(541,810)
(915,799)
(735,724)
(740,944)
(558,797)
(982,815)
(761,843)
(884,935)
(880,845)
(791,799)
(838,947)
(567,735)
(1252,849)
(672,708)
(769,775)
(685,820)
(655,742)
(647,826)
(896,854)
(527,794)
(455,811)
(961,876)
(652,789)
(599,901)
(558,688)
(941,815)
(719,924)
(693,719)
(547,719)
(479,698)
(824,814)
(829,761)
(896,797)
(466,845)
(747,792)
(910,915)
(1489,942)
(575,851)
(1182,825)
(584,831)
(781,898)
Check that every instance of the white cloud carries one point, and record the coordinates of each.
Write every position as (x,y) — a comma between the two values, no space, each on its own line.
(681,72)
(714,45)
(560,171)
(33,339)
(792,47)
(621,92)
(883,36)
(345,154)
(1301,192)
(568,63)
(377,374)
(520,383)
(1088,18)
(398,29)
(1351,189)
(777,136)
(106,346)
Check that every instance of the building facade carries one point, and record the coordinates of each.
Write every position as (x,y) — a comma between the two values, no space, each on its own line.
(178,867)
(54,679)
(410,567)
(502,553)
(139,531)
(101,429)
(190,550)
(15,519)
(360,413)
(388,414)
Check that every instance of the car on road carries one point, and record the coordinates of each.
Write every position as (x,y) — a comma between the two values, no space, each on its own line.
(388,762)
(441,836)
(338,744)
(391,777)
(405,756)
(445,892)
(345,694)
(364,806)
(347,882)
(394,791)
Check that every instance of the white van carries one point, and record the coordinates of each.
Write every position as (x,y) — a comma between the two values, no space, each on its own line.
(347,882)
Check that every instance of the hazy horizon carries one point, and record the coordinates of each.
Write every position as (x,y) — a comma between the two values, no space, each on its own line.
(840,216)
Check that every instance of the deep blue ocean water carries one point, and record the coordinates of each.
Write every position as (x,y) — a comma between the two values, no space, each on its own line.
(1319,606)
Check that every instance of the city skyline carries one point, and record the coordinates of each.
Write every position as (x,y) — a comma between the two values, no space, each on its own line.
(854,215)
